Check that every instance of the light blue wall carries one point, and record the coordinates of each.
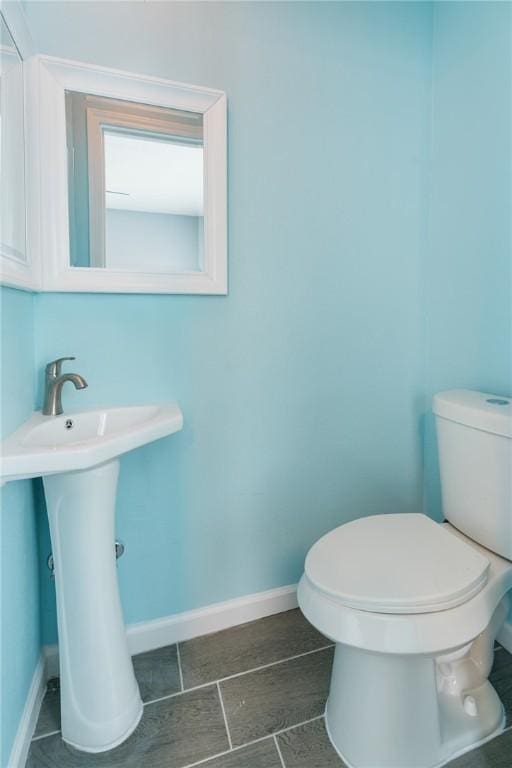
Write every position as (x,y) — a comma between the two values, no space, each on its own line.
(302,389)
(20,635)
(468,275)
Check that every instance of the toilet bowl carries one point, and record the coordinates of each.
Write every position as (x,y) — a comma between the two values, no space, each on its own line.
(408,689)
(414,606)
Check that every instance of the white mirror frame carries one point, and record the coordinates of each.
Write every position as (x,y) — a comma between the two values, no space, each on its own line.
(55,76)
(17,273)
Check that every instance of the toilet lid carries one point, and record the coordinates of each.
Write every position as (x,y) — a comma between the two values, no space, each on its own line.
(403,563)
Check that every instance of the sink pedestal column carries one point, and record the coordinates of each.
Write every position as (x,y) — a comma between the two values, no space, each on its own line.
(100,699)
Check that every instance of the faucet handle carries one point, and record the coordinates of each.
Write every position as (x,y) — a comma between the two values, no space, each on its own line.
(54,368)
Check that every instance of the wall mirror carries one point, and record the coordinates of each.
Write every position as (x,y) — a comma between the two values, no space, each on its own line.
(12,149)
(133,182)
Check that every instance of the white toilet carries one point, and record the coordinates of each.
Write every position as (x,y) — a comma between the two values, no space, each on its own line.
(414,606)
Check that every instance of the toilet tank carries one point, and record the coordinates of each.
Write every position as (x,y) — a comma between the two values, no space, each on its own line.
(474,437)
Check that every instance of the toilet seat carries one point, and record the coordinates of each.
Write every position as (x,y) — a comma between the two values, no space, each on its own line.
(409,633)
(398,564)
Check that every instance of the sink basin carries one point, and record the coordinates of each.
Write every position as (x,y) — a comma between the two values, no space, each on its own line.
(45,445)
(78,456)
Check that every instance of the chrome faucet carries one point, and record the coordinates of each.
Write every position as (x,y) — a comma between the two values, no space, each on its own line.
(54,381)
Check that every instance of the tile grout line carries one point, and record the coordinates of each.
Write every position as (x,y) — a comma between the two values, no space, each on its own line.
(224,715)
(180,670)
(44,735)
(279,751)
(213,682)
(254,741)
(239,674)
(229,677)
(274,736)
(270,664)
(250,743)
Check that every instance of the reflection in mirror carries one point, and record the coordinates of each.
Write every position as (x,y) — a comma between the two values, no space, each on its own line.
(135,186)
(12,152)
(154,203)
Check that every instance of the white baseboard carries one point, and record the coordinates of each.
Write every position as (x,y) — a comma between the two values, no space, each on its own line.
(505,636)
(148,635)
(29,716)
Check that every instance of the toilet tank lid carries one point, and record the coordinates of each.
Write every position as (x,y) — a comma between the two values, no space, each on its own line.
(480,410)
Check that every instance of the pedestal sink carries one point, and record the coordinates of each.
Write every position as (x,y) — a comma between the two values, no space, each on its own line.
(78,456)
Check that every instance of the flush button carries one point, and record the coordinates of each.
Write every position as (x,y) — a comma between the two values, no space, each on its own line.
(497,401)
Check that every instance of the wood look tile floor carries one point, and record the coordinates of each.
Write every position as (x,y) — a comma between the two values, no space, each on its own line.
(248,697)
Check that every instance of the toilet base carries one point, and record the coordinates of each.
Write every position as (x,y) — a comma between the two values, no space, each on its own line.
(445,761)
(390,711)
